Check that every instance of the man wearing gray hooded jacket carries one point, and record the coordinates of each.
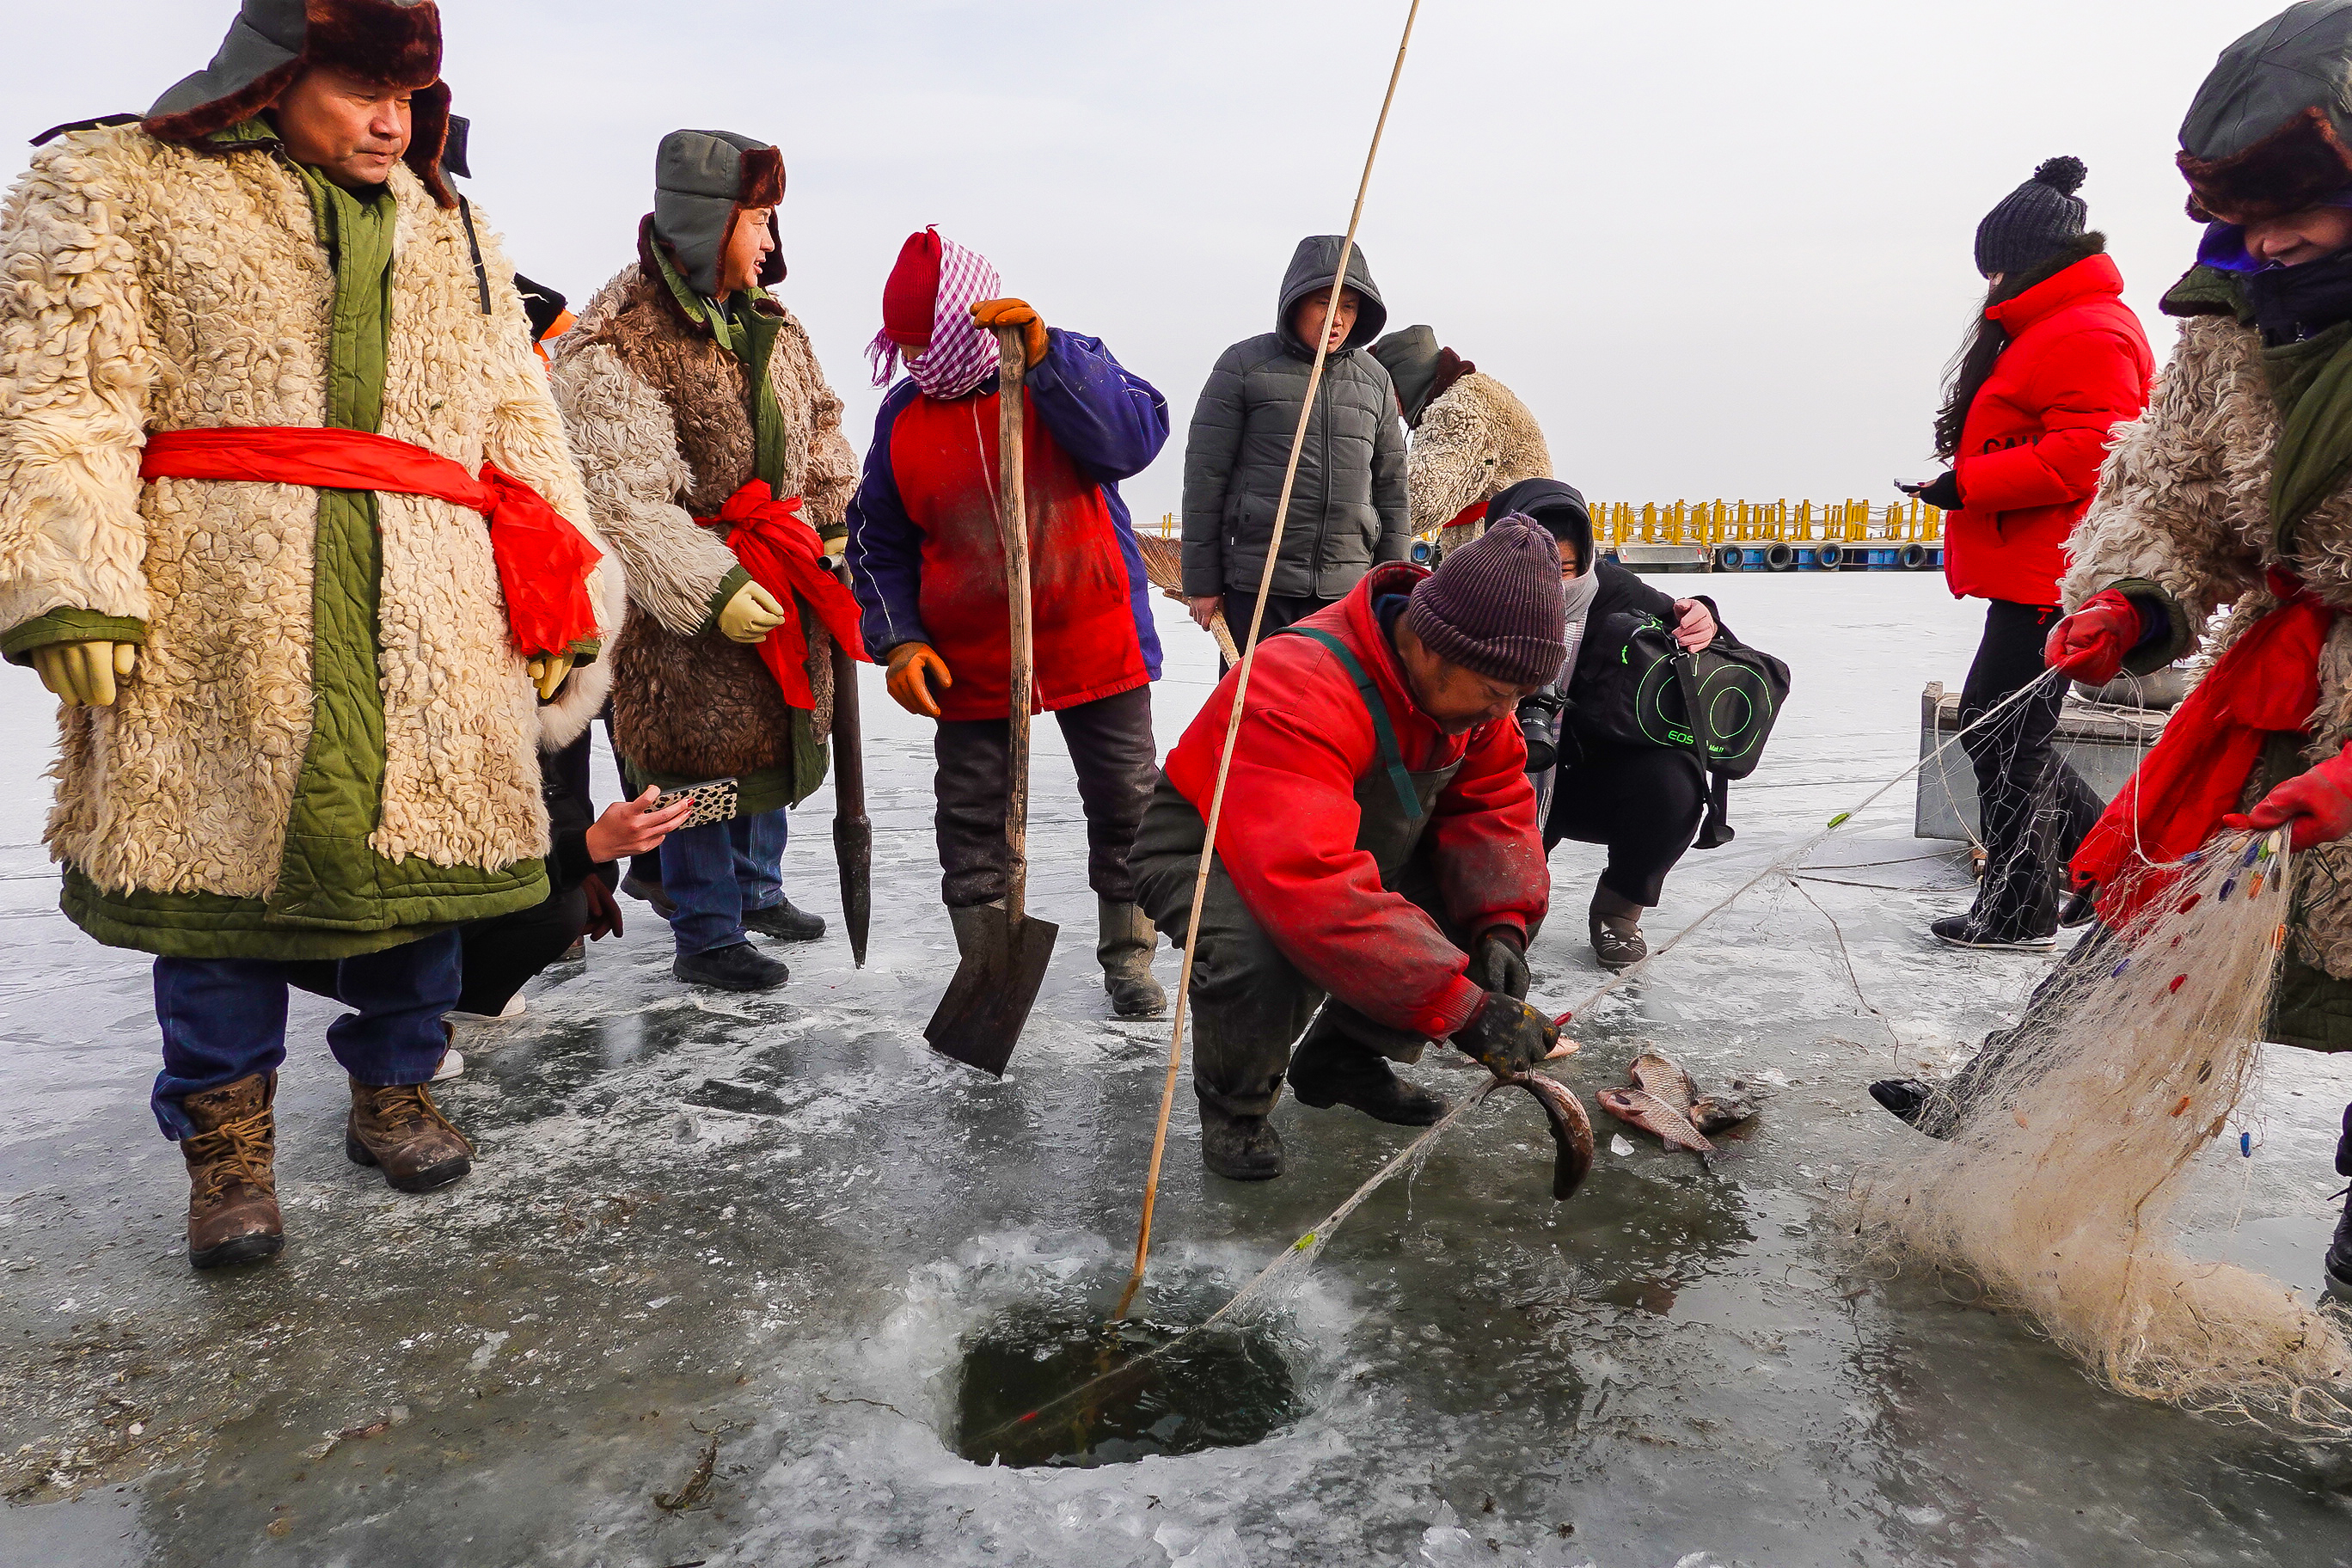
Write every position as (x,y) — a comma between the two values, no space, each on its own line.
(1348,509)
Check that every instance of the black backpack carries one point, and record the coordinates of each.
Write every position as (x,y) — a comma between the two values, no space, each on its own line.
(1645,691)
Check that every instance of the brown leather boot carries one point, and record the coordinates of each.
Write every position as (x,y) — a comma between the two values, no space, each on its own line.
(401,1130)
(232,1191)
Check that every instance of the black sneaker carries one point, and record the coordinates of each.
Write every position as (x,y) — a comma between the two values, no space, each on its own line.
(1240,1148)
(785,922)
(1326,1072)
(1962,931)
(741,967)
(2077,910)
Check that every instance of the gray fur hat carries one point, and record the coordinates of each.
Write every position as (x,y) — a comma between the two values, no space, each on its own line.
(1411,354)
(2270,131)
(701,180)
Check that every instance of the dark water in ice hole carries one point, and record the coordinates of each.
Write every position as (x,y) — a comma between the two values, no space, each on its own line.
(1222,1387)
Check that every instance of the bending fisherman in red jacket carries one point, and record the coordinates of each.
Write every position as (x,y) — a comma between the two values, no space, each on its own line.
(929,572)
(1379,845)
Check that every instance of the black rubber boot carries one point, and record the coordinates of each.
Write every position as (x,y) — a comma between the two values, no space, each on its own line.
(741,967)
(2339,1257)
(785,922)
(1905,1097)
(1327,1069)
(1239,1147)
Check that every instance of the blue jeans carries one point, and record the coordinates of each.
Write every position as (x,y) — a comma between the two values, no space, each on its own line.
(225,1019)
(717,873)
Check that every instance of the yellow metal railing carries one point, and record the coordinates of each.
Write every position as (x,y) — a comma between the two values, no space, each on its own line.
(1717,522)
(1713,523)
(1736,522)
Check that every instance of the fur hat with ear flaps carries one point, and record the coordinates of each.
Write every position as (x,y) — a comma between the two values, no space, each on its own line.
(2270,131)
(388,43)
(701,180)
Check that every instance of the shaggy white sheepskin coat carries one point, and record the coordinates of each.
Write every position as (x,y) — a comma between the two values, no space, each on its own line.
(146,287)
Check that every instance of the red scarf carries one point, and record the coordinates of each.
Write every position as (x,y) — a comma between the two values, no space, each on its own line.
(784,557)
(2267,681)
(543,562)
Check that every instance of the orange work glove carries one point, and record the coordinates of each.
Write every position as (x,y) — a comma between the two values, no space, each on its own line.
(1018,313)
(909,689)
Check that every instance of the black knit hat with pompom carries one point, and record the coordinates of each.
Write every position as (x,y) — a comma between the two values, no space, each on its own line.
(2035,221)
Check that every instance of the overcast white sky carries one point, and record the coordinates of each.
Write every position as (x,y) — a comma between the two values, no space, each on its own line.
(1721,248)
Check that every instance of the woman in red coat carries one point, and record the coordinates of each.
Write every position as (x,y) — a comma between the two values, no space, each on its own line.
(2057,361)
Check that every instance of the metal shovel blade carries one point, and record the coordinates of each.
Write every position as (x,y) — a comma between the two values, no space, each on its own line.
(980,1020)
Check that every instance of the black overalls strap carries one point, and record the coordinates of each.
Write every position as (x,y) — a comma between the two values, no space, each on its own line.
(1391,757)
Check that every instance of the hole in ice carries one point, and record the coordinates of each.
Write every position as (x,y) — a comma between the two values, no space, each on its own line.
(1058,1386)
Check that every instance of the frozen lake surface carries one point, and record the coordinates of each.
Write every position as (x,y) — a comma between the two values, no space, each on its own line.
(1678,1368)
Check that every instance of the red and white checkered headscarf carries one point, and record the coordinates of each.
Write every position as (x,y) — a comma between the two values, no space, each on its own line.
(929,294)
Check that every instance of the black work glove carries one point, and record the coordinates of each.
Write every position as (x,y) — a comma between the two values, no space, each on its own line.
(1499,962)
(1506,1035)
(1943,495)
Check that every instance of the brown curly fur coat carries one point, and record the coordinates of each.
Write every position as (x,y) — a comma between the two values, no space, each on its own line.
(2184,502)
(659,416)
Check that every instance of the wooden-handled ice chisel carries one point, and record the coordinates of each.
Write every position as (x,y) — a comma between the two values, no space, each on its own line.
(980,1020)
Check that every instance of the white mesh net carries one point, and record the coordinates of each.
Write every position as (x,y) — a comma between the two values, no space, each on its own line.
(2072,1141)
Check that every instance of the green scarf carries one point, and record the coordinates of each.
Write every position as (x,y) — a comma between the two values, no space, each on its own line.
(2310,384)
(750,336)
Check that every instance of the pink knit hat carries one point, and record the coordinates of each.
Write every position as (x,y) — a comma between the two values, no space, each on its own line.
(1495,607)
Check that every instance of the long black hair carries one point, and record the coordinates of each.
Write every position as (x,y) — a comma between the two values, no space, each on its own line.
(1964,377)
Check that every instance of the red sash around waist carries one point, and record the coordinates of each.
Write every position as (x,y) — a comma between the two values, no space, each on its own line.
(2267,681)
(783,556)
(543,562)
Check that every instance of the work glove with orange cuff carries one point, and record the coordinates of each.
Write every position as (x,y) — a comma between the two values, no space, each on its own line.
(2318,802)
(2090,644)
(911,665)
(992,313)
(1506,1035)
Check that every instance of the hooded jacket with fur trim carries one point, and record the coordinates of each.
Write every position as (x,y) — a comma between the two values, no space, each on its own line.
(660,418)
(156,286)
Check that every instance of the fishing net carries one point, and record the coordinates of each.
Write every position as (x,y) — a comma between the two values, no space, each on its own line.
(2071,1139)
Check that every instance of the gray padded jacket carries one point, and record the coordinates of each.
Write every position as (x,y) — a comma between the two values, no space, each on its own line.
(1348,509)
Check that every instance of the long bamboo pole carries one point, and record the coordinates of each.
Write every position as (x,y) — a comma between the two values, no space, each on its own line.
(1241,680)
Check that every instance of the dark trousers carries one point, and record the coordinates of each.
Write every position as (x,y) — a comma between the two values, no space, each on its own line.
(1249,1004)
(2033,808)
(1645,802)
(1112,749)
(1281,610)
(497,957)
(504,954)
(225,1019)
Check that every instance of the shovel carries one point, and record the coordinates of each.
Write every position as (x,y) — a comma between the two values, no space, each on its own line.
(980,1020)
(852,833)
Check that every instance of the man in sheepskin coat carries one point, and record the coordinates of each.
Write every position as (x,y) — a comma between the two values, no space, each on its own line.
(297,661)
(712,452)
(2233,492)
(1472,438)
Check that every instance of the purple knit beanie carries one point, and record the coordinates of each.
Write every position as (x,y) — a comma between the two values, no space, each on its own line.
(1494,606)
